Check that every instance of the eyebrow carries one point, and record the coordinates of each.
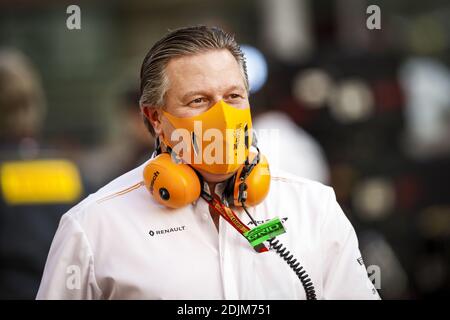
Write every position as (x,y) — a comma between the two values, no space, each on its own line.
(193,93)
(204,93)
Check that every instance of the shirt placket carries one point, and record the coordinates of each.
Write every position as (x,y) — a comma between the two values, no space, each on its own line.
(226,261)
(230,289)
(224,245)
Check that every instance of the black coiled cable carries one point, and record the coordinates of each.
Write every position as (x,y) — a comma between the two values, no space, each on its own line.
(295,265)
(291,261)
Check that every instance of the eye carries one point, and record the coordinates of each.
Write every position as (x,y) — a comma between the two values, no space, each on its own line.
(235,99)
(198,102)
(235,96)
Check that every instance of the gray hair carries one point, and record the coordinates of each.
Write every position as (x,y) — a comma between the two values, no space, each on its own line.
(181,42)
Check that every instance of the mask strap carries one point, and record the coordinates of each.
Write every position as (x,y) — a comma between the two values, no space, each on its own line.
(249,166)
(254,139)
(246,142)
(169,150)
(157,150)
(254,143)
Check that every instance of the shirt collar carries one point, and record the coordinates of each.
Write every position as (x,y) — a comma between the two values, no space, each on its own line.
(220,187)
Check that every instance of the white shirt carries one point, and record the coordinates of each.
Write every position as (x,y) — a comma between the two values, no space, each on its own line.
(119,243)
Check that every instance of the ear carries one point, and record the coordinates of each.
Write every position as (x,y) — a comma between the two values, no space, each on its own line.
(153,115)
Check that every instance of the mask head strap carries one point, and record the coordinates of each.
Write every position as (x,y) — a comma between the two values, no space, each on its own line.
(157,150)
(248,167)
(169,150)
(245,172)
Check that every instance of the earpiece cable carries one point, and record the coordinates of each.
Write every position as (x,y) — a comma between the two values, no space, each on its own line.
(291,261)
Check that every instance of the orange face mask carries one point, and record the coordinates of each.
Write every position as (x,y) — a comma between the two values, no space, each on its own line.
(216,141)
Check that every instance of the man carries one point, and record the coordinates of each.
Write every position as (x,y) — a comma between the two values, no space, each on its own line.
(120,243)
(29,208)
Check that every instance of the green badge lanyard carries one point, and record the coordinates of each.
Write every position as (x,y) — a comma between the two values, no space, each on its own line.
(255,236)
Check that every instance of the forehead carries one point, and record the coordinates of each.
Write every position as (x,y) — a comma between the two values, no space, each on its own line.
(210,70)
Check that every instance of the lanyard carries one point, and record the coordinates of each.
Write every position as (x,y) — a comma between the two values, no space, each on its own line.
(267,231)
(217,206)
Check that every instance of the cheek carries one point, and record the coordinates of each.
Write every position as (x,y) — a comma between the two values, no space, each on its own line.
(240,104)
(245,104)
(187,112)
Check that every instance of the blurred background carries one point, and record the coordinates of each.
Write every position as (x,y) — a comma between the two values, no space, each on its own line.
(366,111)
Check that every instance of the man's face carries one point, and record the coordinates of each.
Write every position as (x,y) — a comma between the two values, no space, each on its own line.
(196,83)
(199,81)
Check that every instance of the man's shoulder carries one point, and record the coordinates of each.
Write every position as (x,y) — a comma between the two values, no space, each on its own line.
(122,190)
(301,194)
(284,179)
(305,202)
